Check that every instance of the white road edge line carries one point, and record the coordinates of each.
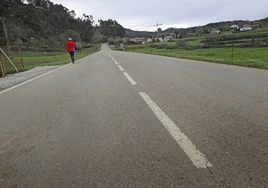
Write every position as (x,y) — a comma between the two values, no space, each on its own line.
(198,158)
(32,79)
(120,68)
(116,62)
(130,79)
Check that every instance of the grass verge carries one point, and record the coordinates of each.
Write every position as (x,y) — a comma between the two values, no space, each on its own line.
(34,59)
(247,57)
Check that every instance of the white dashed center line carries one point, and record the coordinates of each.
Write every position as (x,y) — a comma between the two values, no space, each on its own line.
(130,79)
(119,66)
(198,158)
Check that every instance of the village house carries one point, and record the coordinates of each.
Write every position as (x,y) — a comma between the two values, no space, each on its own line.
(168,38)
(234,26)
(215,31)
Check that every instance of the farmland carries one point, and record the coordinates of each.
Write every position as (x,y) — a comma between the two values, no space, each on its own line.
(249,49)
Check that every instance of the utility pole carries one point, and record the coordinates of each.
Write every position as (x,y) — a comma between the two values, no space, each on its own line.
(6,34)
(233,46)
(157,24)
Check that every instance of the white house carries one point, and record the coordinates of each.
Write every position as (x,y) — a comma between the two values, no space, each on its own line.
(157,39)
(246,28)
(234,26)
(168,38)
(215,31)
(149,40)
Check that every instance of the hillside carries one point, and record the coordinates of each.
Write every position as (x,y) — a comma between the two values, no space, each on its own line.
(131,33)
(41,25)
(198,30)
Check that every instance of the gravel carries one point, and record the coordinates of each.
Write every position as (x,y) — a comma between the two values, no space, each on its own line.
(13,79)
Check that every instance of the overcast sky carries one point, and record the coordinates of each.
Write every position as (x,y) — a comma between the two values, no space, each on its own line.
(144,14)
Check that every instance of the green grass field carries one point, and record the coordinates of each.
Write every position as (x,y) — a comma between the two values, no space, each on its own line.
(34,59)
(248,57)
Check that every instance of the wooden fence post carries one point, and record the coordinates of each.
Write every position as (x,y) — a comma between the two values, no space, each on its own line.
(9,60)
(2,70)
(22,64)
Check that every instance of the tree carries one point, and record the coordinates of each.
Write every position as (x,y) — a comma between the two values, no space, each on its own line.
(8,6)
(111,41)
(87,29)
(111,28)
(5,7)
(72,34)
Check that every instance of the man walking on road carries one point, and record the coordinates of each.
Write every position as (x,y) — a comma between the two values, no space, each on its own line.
(71,48)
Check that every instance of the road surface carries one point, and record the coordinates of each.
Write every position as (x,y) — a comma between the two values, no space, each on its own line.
(117,119)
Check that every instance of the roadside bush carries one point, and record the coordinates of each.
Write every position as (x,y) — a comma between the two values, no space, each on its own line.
(17,47)
(235,42)
(185,45)
(211,45)
(182,44)
(79,46)
(73,34)
(250,45)
(87,46)
(239,36)
(210,40)
(117,42)
(171,47)
(18,42)
(189,47)
(111,41)
(131,43)
(192,39)
(163,46)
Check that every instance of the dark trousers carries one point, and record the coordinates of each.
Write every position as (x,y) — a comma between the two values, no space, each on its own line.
(72,56)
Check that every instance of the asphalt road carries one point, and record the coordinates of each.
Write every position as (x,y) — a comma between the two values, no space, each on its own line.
(117,119)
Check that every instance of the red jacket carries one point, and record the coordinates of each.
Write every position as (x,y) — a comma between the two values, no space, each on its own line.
(70,46)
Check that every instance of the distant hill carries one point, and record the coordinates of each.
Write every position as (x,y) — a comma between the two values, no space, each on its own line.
(131,33)
(198,30)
